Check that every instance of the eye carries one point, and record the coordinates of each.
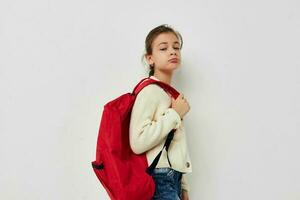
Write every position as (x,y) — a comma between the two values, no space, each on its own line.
(163,49)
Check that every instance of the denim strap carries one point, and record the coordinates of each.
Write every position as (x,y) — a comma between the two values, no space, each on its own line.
(167,144)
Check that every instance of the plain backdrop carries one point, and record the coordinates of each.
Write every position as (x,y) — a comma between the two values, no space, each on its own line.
(61,61)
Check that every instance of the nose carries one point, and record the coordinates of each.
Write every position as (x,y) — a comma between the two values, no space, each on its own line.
(173,52)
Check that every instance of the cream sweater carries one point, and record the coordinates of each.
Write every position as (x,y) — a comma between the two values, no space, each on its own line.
(152,118)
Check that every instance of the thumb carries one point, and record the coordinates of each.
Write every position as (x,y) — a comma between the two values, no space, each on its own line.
(173,102)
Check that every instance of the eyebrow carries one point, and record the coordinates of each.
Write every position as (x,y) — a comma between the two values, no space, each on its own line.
(167,43)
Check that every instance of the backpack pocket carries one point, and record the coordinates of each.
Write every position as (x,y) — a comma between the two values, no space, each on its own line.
(98,168)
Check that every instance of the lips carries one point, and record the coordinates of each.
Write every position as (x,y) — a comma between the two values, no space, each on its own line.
(173,60)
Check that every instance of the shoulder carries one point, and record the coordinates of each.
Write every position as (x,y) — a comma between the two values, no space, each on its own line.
(153,94)
(152,91)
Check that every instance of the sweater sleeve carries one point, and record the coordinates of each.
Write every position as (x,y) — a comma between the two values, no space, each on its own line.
(144,131)
(184,183)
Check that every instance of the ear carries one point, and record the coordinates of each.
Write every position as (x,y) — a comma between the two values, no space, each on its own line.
(149,59)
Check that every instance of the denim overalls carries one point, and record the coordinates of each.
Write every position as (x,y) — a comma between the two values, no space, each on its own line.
(167,184)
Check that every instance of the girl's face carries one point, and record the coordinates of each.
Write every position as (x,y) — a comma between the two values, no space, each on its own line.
(164,48)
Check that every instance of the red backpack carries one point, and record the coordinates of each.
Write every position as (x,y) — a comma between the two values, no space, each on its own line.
(124,174)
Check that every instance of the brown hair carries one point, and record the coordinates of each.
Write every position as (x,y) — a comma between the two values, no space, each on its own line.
(164,28)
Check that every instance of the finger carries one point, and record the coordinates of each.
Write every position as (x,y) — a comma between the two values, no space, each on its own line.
(179,96)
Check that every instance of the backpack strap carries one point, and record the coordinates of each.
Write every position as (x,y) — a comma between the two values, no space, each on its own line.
(169,89)
(170,136)
(147,81)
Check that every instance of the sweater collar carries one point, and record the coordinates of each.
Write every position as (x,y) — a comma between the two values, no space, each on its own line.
(153,77)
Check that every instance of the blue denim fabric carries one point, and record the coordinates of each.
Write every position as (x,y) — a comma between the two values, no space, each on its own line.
(167,184)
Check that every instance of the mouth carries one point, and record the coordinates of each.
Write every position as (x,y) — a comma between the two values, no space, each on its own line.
(173,60)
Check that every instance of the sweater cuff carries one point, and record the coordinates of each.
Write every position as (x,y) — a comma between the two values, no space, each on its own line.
(184,183)
(175,115)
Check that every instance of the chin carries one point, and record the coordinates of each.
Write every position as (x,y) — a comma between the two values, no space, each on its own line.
(170,67)
(174,66)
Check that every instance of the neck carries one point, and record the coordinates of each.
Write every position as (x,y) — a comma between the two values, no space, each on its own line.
(165,77)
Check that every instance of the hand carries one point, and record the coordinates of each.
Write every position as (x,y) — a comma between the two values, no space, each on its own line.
(185,195)
(180,105)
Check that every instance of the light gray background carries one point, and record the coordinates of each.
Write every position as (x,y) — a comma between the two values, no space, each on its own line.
(61,61)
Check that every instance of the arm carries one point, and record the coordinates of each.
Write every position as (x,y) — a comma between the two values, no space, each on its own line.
(184,183)
(185,187)
(144,132)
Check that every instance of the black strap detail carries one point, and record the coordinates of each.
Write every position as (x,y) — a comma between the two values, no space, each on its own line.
(167,144)
(101,166)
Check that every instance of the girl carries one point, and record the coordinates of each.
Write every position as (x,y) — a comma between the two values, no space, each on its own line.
(155,113)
